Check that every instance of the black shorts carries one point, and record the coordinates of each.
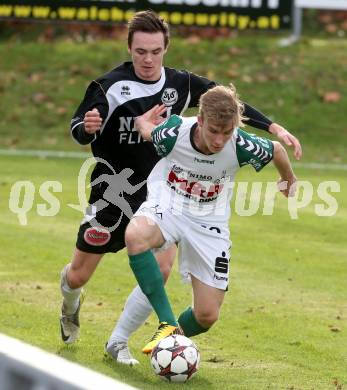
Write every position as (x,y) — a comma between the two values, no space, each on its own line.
(102,231)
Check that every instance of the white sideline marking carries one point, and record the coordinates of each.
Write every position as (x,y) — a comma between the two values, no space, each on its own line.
(48,369)
(43,153)
(81,155)
(313,165)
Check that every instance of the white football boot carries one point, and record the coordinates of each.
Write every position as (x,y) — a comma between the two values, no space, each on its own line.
(120,353)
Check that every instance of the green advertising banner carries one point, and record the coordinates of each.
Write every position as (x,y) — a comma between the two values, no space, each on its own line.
(234,14)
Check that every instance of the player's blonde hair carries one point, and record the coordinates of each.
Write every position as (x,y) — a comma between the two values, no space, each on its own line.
(220,105)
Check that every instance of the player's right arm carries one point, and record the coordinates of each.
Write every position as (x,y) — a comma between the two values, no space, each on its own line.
(92,121)
(87,121)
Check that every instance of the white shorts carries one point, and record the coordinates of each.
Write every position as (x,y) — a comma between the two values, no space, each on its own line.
(204,249)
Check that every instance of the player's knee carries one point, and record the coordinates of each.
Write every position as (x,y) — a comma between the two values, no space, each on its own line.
(131,236)
(133,239)
(76,279)
(207,317)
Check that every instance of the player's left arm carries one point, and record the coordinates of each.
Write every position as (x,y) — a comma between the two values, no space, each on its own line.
(287,138)
(287,181)
(255,118)
(258,120)
(258,152)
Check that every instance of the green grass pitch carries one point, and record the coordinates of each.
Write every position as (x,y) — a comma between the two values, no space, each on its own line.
(284,320)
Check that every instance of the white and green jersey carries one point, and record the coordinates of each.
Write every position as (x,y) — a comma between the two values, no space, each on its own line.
(195,184)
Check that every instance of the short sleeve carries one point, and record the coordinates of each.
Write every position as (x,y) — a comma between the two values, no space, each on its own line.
(165,135)
(253,150)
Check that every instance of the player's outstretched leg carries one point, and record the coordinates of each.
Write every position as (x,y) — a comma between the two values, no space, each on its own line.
(73,277)
(137,308)
(150,279)
(140,237)
(69,319)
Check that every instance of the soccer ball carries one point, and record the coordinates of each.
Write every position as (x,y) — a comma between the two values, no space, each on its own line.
(175,359)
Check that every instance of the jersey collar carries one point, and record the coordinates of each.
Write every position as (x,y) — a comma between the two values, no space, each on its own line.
(145,81)
(191,136)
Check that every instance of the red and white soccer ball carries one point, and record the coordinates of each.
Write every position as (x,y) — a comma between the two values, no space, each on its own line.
(175,359)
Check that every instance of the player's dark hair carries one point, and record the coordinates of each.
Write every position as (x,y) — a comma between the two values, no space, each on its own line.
(150,22)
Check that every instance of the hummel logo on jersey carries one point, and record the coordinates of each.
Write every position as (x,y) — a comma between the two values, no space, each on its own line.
(125,90)
(255,149)
(169,97)
(202,161)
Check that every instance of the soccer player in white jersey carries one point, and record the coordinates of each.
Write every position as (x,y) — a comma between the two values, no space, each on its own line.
(188,203)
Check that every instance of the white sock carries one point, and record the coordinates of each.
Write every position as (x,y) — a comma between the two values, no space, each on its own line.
(71,295)
(136,310)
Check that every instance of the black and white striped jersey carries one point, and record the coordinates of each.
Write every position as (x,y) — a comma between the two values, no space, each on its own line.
(120,96)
